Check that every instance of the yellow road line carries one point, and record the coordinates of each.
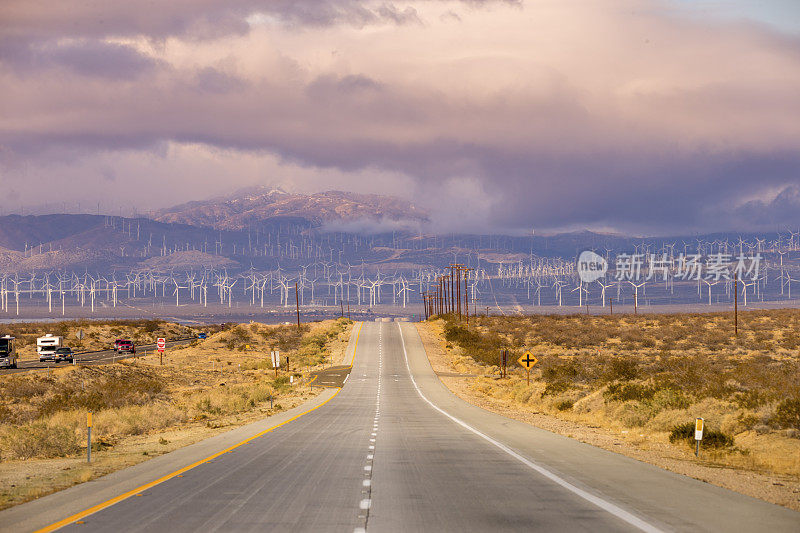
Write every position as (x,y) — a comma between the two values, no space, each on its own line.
(126,495)
(355,348)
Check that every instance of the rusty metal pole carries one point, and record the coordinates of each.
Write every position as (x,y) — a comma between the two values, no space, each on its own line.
(297,301)
(441,295)
(452,291)
(736,304)
(458,291)
(444,295)
(466,295)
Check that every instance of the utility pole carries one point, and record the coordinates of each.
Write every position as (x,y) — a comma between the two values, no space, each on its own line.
(466,294)
(455,283)
(450,281)
(297,302)
(736,304)
(611,304)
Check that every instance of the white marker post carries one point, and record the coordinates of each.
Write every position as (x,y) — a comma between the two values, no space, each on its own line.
(276,361)
(698,435)
(89,437)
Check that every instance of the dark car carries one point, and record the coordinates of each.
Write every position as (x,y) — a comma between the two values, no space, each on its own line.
(201,336)
(126,346)
(64,354)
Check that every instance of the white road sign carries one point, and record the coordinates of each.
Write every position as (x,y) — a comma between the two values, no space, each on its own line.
(698,429)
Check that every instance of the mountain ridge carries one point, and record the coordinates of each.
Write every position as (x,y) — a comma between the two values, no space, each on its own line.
(248,207)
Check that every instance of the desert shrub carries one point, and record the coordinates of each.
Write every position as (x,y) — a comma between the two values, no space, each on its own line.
(319,340)
(564,405)
(787,414)
(750,399)
(555,371)
(240,336)
(621,369)
(151,326)
(711,438)
(108,390)
(632,336)
(522,393)
(554,388)
(669,399)
(25,388)
(632,413)
(622,392)
(206,405)
(38,439)
(483,347)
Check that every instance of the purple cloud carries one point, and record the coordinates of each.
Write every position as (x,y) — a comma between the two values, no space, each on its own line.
(669,125)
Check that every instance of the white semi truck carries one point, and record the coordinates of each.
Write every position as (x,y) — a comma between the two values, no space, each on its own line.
(46,347)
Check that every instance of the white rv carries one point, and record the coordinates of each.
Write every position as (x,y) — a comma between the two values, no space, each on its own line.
(8,357)
(46,347)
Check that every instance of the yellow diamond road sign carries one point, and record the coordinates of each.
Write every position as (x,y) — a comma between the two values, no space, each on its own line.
(527,360)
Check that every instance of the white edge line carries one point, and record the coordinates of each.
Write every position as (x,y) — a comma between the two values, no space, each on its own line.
(345,379)
(607,506)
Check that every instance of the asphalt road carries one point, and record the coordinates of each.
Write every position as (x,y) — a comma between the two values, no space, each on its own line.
(89,358)
(334,376)
(395,451)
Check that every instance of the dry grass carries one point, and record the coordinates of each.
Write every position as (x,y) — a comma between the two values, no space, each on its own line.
(653,374)
(205,385)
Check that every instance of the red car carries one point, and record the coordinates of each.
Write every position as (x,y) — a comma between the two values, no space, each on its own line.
(124,346)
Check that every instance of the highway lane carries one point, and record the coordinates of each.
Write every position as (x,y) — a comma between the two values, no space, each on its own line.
(396,451)
(659,498)
(89,358)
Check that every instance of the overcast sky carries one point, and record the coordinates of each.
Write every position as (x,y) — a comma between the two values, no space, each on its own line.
(640,116)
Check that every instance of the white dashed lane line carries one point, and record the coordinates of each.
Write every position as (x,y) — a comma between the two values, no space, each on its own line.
(366,502)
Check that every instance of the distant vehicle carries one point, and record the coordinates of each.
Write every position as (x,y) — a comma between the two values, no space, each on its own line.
(201,336)
(8,357)
(65,353)
(46,347)
(125,346)
(116,343)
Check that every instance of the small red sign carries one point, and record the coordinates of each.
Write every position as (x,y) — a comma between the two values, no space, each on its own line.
(161,344)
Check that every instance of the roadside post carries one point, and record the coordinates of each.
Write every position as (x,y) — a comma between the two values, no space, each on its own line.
(503,363)
(276,361)
(527,361)
(287,364)
(161,344)
(89,437)
(698,435)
